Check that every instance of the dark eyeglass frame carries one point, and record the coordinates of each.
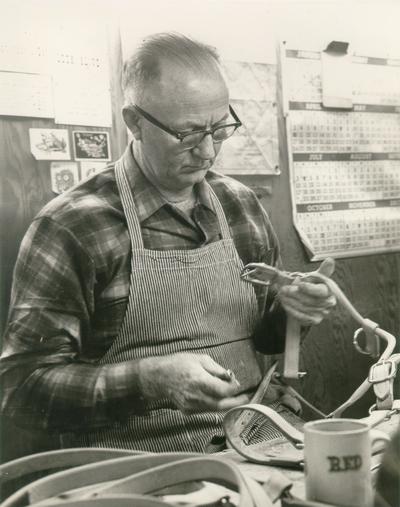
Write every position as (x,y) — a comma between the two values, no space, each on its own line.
(181,135)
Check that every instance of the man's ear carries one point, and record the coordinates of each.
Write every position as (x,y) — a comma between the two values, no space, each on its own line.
(131,119)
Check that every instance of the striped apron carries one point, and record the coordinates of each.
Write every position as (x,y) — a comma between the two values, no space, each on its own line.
(181,301)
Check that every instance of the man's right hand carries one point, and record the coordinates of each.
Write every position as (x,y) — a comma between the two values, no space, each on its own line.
(193,382)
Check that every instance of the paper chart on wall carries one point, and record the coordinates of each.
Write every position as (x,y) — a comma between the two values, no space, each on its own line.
(24,40)
(77,101)
(26,95)
(26,87)
(345,165)
(375,80)
(67,61)
(81,77)
(253,149)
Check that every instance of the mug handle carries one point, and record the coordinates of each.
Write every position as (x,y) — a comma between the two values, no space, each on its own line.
(380,438)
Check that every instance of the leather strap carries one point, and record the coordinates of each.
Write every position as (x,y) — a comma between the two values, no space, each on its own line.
(292,348)
(202,468)
(92,473)
(291,501)
(259,273)
(139,475)
(52,460)
(262,274)
(381,376)
(106,501)
(372,345)
(54,484)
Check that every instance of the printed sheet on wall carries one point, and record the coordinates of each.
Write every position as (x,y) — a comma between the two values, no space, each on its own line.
(54,66)
(254,147)
(344,163)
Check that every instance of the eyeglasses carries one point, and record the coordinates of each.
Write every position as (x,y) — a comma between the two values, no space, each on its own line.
(193,138)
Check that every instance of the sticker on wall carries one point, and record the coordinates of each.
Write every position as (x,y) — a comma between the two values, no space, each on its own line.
(91,145)
(64,175)
(90,168)
(49,144)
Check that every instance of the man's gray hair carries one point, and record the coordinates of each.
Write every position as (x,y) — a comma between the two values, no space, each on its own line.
(145,64)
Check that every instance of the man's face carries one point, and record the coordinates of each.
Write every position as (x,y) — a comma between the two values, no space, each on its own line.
(183,101)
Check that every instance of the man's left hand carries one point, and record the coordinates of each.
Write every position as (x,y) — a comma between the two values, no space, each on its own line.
(308,301)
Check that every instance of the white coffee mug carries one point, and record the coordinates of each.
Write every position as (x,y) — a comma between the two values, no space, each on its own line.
(337,454)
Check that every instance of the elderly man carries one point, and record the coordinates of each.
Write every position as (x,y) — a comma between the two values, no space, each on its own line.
(130,325)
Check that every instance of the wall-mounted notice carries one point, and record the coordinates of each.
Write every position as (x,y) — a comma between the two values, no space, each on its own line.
(26,95)
(344,164)
(253,149)
(81,77)
(54,66)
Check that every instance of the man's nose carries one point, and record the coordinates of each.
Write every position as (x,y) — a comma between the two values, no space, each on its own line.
(205,149)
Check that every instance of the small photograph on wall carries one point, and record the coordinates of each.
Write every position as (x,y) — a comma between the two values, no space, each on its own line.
(49,144)
(90,145)
(64,175)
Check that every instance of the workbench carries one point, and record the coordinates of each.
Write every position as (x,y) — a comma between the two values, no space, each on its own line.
(261,473)
(198,491)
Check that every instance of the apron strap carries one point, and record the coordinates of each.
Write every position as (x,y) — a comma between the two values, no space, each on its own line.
(223,222)
(129,208)
(128,205)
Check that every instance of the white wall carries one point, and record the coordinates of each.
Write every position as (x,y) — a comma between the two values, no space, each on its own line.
(240,29)
(248,30)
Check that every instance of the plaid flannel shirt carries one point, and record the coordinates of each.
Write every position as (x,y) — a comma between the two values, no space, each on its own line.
(71,287)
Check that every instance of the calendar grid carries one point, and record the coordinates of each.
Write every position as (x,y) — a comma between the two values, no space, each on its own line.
(344,164)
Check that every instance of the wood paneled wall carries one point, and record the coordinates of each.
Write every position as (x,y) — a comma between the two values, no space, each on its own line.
(334,367)
(372,283)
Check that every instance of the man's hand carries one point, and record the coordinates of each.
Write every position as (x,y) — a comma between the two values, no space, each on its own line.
(309,302)
(193,382)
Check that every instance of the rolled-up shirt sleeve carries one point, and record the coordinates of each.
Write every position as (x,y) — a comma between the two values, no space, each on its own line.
(46,380)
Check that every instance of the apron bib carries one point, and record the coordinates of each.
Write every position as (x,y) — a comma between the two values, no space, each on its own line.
(181,301)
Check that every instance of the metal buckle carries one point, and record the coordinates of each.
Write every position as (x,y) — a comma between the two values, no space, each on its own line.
(394,410)
(356,343)
(259,273)
(392,371)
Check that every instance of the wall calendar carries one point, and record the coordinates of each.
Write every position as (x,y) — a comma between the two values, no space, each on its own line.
(344,163)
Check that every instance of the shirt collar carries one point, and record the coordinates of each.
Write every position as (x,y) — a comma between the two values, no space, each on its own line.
(148,199)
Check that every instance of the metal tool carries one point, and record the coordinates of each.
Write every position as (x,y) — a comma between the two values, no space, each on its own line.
(262,274)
